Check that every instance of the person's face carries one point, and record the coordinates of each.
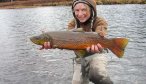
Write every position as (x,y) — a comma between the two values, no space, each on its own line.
(82,12)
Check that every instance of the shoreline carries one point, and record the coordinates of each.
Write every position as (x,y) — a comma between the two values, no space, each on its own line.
(31,4)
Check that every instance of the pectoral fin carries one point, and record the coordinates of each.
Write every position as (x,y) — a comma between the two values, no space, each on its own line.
(80,53)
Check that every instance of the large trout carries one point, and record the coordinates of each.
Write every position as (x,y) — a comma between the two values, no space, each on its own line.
(80,41)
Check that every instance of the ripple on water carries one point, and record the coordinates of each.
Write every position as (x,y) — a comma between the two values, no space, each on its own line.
(22,63)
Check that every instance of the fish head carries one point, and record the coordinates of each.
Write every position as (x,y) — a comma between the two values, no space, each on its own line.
(39,40)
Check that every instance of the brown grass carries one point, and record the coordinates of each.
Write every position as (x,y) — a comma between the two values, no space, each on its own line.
(34,3)
(120,1)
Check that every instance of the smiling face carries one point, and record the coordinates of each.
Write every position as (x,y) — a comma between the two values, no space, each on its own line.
(82,12)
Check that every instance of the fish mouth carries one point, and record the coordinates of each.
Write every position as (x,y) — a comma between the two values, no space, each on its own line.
(33,40)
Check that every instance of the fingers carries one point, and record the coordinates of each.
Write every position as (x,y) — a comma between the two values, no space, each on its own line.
(102,31)
(46,45)
(95,48)
(100,48)
(101,34)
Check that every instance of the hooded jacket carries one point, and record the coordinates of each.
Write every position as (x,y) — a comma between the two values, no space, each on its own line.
(94,23)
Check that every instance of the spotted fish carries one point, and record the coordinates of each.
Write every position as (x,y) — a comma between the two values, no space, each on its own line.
(80,41)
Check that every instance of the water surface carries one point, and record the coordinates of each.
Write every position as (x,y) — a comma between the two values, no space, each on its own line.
(22,63)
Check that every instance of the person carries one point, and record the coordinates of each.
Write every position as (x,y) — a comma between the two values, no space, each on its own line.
(90,63)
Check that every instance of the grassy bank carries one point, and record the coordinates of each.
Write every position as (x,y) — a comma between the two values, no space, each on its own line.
(33,3)
(121,1)
(36,3)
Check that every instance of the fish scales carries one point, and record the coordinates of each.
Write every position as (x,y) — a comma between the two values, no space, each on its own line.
(80,40)
(74,40)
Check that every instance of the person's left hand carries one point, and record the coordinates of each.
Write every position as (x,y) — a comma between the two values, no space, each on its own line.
(95,48)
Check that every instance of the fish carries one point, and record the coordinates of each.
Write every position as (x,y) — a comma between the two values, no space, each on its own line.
(80,41)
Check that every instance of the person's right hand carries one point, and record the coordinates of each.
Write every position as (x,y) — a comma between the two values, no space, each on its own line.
(95,48)
(46,45)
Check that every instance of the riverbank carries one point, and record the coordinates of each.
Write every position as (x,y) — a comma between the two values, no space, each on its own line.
(38,3)
(32,3)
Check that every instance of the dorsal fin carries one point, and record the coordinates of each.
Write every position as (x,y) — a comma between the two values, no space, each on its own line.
(77,30)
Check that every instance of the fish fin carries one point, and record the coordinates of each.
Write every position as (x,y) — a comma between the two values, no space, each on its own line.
(80,53)
(78,30)
(118,46)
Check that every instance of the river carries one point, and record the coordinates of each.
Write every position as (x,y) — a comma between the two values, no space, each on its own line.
(21,62)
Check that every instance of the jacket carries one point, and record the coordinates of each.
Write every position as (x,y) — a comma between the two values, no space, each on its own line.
(94,24)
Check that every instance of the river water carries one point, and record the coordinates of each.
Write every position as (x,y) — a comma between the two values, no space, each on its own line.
(22,63)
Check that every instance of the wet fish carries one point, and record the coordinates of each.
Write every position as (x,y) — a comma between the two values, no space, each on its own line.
(80,41)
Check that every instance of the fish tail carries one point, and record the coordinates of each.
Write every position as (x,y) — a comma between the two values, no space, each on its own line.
(118,46)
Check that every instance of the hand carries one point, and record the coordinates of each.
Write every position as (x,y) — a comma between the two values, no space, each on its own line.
(102,31)
(46,45)
(95,48)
